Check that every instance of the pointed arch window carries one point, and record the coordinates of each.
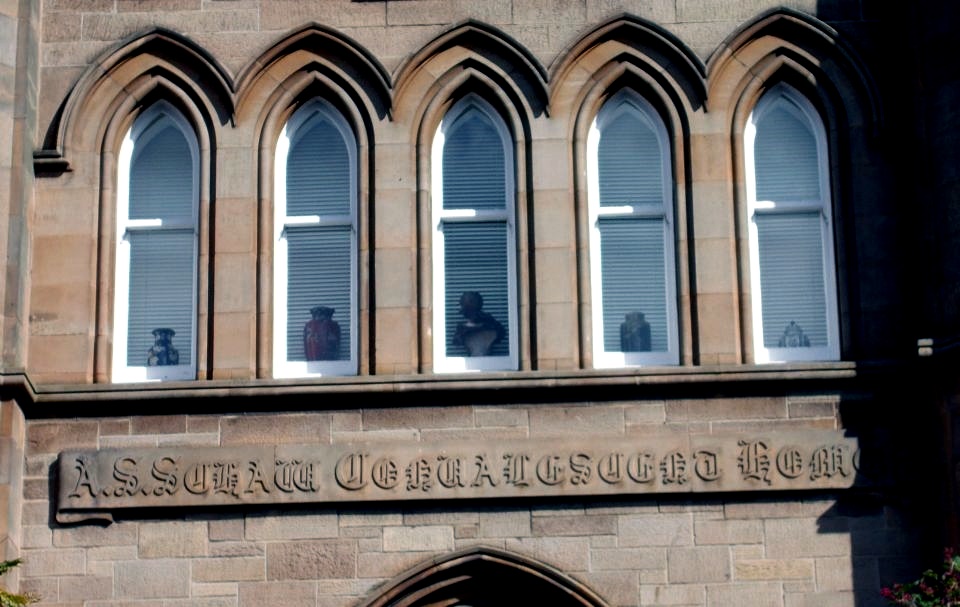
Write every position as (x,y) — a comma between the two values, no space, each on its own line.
(792,268)
(474,241)
(155,305)
(315,236)
(632,258)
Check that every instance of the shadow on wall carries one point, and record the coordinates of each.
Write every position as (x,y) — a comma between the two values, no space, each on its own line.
(894,520)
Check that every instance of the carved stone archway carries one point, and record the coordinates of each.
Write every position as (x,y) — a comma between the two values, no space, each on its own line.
(483,577)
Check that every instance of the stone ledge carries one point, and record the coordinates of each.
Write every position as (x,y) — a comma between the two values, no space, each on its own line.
(261,395)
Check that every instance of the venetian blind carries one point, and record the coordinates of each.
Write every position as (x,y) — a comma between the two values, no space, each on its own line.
(792,276)
(475,254)
(634,277)
(318,172)
(630,163)
(787,166)
(162,259)
(474,175)
(319,256)
(161,177)
(318,274)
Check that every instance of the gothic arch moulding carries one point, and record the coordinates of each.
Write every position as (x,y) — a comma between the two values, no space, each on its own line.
(310,63)
(785,44)
(629,53)
(628,45)
(159,63)
(474,59)
(482,50)
(315,53)
(484,577)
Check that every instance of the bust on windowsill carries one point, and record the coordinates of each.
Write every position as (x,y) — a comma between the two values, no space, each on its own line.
(480,331)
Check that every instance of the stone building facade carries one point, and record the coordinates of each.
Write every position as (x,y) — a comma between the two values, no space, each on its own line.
(716,466)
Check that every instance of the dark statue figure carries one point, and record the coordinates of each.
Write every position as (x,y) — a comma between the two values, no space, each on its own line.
(162,353)
(321,335)
(634,333)
(480,331)
(794,337)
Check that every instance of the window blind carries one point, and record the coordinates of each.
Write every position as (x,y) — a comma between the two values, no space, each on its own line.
(162,259)
(318,274)
(634,278)
(630,163)
(318,172)
(792,276)
(474,173)
(161,177)
(787,166)
(161,291)
(475,256)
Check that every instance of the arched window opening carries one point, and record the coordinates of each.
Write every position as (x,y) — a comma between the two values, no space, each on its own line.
(792,268)
(315,239)
(474,241)
(155,305)
(632,258)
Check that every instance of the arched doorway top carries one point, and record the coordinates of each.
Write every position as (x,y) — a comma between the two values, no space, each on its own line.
(482,576)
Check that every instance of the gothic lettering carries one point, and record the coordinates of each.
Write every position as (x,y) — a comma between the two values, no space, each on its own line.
(790,462)
(349,471)
(673,468)
(580,469)
(418,475)
(828,461)
(515,469)
(197,479)
(83,477)
(124,471)
(210,476)
(705,465)
(753,461)
(385,473)
(640,467)
(165,472)
(550,470)
(256,477)
(449,471)
(483,473)
(610,468)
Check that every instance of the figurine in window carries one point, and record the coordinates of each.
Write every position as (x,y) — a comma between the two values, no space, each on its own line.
(162,353)
(321,335)
(480,331)
(634,333)
(794,337)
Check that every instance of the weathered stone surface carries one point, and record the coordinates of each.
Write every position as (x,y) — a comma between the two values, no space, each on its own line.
(173,539)
(239,569)
(429,538)
(773,569)
(151,579)
(575,525)
(705,564)
(270,526)
(656,530)
(311,560)
(295,594)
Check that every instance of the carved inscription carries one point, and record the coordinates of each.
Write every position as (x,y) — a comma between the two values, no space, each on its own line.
(171,475)
(128,478)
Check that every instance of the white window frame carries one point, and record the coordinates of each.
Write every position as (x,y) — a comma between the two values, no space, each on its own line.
(628,101)
(783,95)
(441,361)
(300,120)
(143,129)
